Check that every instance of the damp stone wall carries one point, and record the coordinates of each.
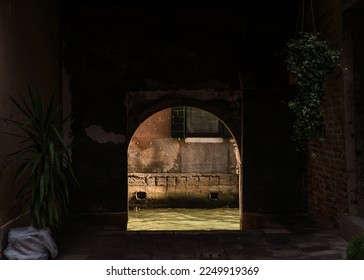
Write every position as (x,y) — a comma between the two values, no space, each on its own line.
(187,190)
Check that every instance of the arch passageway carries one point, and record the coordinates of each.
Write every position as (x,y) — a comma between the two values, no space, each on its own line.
(183,172)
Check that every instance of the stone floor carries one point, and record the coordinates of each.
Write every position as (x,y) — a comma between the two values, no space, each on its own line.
(278,237)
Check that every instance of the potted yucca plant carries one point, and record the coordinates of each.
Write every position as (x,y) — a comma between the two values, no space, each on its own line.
(44,162)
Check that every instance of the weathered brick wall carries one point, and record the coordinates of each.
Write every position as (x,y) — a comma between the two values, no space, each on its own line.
(327,175)
(184,190)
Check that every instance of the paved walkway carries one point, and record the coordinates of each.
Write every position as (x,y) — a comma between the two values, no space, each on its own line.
(277,238)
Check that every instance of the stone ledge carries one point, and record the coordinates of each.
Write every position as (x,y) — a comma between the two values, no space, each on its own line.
(175,179)
(184,190)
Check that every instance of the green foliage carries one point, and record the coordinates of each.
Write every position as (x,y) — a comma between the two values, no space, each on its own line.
(44,163)
(311,61)
(355,249)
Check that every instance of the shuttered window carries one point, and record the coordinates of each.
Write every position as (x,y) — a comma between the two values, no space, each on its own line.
(194,122)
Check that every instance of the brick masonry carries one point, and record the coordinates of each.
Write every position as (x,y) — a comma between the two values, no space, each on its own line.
(327,176)
(183,189)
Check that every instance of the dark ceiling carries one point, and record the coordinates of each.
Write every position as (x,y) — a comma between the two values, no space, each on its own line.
(185,3)
(179,44)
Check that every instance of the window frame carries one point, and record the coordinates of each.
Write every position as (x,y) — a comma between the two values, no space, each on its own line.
(197,134)
(179,125)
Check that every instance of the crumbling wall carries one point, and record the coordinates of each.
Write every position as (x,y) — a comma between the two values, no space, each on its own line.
(187,190)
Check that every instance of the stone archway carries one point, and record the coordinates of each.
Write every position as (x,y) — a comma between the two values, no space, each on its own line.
(225,105)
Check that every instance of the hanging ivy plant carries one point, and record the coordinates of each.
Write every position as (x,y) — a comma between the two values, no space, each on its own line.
(310,61)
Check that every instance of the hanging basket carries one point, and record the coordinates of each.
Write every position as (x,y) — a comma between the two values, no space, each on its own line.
(309,62)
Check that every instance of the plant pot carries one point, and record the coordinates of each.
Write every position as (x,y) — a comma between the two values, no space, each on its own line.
(29,243)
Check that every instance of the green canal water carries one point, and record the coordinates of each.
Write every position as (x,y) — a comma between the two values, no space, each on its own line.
(184,219)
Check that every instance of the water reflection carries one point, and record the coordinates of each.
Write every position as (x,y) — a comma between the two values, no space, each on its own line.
(184,219)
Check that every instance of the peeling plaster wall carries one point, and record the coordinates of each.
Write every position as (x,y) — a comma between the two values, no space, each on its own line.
(98,134)
(153,150)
